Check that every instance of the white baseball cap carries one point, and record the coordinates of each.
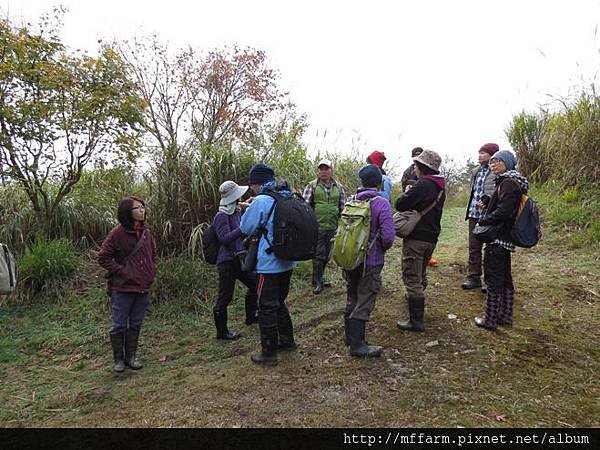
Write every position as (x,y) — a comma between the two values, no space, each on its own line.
(325,162)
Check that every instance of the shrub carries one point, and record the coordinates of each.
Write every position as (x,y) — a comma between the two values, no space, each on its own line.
(182,279)
(46,266)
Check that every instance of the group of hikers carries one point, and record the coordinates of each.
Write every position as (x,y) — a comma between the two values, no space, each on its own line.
(129,251)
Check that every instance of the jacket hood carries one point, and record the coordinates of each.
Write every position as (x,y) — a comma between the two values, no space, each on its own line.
(280,186)
(523,182)
(437,179)
(366,193)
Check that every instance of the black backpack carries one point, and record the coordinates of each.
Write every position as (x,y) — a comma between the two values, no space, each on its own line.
(295,228)
(210,245)
(527,229)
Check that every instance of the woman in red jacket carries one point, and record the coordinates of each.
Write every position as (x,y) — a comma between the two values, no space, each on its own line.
(129,255)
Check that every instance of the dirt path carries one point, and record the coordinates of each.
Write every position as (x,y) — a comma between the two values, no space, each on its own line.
(543,372)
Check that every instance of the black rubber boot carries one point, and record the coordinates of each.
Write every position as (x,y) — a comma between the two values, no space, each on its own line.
(268,342)
(472,283)
(250,306)
(117,343)
(131,345)
(356,332)
(285,329)
(416,311)
(221,324)
(318,274)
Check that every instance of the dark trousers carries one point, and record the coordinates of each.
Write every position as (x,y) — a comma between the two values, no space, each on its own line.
(415,259)
(229,272)
(127,310)
(362,290)
(324,244)
(475,247)
(496,263)
(273,315)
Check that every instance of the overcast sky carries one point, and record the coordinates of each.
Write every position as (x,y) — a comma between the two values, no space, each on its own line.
(387,75)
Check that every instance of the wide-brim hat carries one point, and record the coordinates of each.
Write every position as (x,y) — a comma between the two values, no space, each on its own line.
(430,159)
(230,192)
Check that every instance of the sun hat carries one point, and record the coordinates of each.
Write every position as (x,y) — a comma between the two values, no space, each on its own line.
(230,192)
(430,159)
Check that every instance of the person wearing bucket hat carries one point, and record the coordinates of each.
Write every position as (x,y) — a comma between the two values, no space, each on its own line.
(378,158)
(227,228)
(482,188)
(327,198)
(501,210)
(418,246)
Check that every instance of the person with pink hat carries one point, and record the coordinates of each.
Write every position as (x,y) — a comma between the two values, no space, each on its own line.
(378,158)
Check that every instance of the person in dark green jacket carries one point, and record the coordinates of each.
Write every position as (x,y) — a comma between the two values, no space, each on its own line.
(327,197)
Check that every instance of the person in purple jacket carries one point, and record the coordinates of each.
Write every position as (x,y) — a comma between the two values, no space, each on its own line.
(227,228)
(418,246)
(364,282)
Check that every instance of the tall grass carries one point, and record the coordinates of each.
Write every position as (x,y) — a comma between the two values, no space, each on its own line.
(562,146)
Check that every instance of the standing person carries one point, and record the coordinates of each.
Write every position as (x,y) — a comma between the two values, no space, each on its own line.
(378,158)
(274,321)
(409,176)
(327,197)
(227,229)
(418,246)
(482,186)
(364,282)
(501,210)
(129,255)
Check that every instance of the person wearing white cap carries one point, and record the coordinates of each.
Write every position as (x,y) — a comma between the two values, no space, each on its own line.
(327,197)
(227,229)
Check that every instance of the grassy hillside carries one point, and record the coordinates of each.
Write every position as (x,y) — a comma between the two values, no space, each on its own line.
(55,359)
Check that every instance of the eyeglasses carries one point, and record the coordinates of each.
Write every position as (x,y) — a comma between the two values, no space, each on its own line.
(139,207)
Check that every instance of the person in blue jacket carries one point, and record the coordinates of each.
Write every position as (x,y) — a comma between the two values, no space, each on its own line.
(274,321)
(378,158)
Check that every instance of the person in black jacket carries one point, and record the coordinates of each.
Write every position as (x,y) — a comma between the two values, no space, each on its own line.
(418,246)
(501,210)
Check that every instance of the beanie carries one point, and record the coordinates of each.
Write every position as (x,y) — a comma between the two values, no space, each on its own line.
(490,148)
(507,157)
(378,158)
(370,176)
(260,174)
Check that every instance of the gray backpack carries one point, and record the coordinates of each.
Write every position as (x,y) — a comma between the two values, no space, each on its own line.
(8,271)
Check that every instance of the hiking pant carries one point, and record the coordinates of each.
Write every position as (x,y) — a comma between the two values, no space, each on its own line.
(362,290)
(127,310)
(229,272)
(475,247)
(273,314)
(498,276)
(415,258)
(324,244)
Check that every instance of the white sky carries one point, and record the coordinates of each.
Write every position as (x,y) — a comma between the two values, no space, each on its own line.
(444,75)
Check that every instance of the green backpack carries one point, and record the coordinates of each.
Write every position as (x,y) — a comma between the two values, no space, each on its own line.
(352,237)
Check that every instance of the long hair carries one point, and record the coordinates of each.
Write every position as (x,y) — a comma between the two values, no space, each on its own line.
(124,211)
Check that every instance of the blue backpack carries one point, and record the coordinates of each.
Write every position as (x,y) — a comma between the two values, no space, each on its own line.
(527,229)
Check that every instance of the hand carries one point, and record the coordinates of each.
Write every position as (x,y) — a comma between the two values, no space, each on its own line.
(408,188)
(481,205)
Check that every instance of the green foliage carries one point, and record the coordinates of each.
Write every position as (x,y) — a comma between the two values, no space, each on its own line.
(574,210)
(58,112)
(563,146)
(46,266)
(182,280)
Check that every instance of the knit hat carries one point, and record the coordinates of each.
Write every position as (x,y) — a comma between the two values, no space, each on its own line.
(260,174)
(490,148)
(507,157)
(230,192)
(378,158)
(370,176)
(430,159)
(416,151)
